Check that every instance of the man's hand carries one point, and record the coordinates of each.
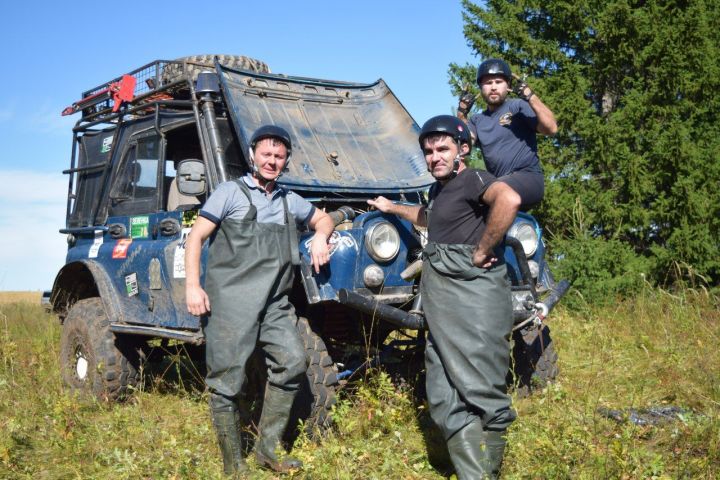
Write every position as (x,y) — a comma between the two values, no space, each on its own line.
(197,300)
(466,101)
(483,259)
(382,204)
(319,251)
(522,89)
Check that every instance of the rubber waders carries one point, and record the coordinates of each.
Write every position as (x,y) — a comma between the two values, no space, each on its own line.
(494,450)
(227,425)
(477,453)
(274,419)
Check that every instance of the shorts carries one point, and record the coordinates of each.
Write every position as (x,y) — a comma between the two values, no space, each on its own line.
(529,185)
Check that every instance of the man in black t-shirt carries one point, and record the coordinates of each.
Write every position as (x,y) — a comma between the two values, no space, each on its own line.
(466,298)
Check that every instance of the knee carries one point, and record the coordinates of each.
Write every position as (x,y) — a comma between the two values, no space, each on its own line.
(296,363)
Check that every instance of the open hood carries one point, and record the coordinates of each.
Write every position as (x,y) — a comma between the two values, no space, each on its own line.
(347,137)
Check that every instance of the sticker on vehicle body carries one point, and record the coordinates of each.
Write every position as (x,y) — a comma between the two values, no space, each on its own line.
(121,248)
(131,284)
(179,259)
(97,243)
(139,226)
(335,241)
(106,144)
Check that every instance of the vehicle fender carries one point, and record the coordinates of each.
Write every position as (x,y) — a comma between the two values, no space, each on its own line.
(83,279)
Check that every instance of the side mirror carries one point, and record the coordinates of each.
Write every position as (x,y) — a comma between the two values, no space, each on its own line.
(191,177)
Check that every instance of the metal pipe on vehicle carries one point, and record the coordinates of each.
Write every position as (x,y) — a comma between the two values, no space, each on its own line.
(517,248)
(370,306)
(208,87)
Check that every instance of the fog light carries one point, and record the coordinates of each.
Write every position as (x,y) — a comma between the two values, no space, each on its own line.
(373,276)
(534,268)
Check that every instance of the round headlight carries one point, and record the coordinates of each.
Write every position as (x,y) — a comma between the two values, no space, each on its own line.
(382,241)
(373,276)
(525,232)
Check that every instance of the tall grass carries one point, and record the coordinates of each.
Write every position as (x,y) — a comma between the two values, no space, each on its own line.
(658,349)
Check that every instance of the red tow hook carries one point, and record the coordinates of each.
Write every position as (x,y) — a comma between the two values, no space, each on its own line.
(119,92)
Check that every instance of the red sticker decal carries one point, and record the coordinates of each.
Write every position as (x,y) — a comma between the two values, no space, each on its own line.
(121,248)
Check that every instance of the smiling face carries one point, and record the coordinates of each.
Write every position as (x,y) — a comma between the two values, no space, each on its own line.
(494,90)
(270,158)
(440,152)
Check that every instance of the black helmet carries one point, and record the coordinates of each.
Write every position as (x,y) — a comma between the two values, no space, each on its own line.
(271,131)
(446,124)
(494,66)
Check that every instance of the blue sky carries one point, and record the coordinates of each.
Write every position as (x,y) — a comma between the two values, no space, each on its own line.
(52,51)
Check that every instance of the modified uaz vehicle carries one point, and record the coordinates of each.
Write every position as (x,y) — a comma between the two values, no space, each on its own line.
(148,149)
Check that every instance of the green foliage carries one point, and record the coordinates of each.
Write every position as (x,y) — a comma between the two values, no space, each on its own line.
(634,86)
(658,349)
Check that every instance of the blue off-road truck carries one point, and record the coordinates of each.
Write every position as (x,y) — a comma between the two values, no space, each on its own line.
(151,145)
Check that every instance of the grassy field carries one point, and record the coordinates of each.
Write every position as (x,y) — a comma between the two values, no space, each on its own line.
(657,350)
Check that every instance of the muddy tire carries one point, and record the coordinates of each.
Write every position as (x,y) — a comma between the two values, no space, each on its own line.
(92,359)
(318,390)
(195,64)
(534,361)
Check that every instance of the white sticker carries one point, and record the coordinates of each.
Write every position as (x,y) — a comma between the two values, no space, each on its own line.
(106,144)
(179,260)
(131,284)
(96,244)
(336,241)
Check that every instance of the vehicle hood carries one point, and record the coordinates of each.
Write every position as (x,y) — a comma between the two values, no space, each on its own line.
(347,137)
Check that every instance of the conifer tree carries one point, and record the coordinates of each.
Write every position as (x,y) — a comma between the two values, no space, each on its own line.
(633,175)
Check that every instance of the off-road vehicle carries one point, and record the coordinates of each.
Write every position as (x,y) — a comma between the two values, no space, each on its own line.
(148,149)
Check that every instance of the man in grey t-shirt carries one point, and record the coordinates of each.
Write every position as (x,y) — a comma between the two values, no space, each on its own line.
(506,130)
(252,226)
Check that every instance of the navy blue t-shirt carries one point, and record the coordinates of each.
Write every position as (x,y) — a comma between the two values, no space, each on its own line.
(507,138)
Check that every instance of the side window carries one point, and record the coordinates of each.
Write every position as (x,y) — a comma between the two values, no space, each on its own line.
(136,188)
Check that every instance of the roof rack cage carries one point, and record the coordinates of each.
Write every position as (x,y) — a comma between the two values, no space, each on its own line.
(149,78)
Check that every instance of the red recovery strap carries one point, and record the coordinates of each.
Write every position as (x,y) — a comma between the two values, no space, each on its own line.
(122,91)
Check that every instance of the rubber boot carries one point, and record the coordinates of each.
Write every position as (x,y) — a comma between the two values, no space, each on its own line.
(495,442)
(226,421)
(466,449)
(273,421)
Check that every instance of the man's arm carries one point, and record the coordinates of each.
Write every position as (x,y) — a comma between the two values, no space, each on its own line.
(196,299)
(547,125)
(504,203)
(414,214)
(319,249)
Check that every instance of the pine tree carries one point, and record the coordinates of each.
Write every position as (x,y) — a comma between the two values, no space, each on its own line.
(635,167)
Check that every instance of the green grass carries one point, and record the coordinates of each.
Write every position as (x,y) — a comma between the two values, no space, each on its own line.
(657,349)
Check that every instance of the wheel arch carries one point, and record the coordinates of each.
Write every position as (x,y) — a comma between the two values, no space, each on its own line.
(84,279)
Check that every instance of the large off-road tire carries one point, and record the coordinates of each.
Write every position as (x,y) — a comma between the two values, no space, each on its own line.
(93,359)
(534,360)
(318,390)
(192,65)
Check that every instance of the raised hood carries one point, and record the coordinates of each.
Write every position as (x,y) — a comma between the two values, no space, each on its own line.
(347,137)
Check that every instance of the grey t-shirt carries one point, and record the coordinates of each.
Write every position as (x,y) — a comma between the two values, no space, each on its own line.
(507,138)
(228,201)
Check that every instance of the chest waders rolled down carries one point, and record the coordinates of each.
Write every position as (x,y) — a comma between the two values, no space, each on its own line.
(249,276)
(469,315)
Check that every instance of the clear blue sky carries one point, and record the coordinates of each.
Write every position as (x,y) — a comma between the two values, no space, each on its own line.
(52,51)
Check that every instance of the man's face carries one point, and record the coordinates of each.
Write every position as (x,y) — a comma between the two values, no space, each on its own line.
(440,152)
(494,89)
(270,158)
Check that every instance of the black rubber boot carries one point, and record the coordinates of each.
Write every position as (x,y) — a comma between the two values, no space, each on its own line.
(494,451)
(466,449)
(273,421)
(226,421)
